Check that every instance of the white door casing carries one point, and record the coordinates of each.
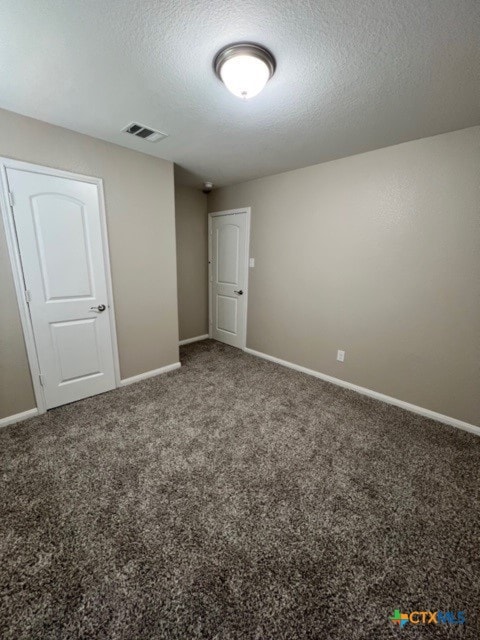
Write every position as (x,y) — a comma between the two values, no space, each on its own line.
(60,230)
(228,290)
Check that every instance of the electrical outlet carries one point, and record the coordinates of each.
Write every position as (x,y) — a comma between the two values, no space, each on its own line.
(340,356)
(251,263)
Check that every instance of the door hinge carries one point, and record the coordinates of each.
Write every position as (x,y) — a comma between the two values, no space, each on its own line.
(28,296)
(42,379)
(11,199)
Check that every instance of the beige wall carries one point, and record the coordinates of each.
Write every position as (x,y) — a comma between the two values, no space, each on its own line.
(192,261)
(377,254)
(139,193)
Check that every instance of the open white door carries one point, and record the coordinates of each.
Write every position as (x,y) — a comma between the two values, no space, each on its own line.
(59,230)
(229,276)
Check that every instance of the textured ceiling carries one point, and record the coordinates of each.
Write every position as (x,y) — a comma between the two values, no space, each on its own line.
(352,75)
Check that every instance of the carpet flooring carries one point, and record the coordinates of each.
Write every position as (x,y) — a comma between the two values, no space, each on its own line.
(236,499)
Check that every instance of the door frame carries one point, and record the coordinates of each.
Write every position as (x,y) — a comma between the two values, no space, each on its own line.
(17,269)
(215,214)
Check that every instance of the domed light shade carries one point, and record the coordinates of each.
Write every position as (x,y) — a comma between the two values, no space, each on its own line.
(244,68)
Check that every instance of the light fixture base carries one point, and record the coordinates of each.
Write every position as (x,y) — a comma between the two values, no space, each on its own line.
(247,49)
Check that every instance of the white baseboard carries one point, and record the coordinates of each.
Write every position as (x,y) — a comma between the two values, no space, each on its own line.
(196,339)
(150,374)
(427,413)
(18,417)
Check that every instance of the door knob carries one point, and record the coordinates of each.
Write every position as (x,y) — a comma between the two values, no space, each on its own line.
(240,292)
(99,309)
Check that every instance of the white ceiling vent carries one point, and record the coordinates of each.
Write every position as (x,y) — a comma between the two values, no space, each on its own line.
(147,133)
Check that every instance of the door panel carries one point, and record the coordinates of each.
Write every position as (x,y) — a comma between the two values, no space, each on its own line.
(59,232)
(74,362)
(227,241)
(227,314)
(229,277)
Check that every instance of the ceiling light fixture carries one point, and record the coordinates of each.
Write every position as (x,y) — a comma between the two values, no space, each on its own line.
(244,68)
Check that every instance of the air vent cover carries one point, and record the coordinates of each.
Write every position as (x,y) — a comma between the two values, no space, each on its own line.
(147,133)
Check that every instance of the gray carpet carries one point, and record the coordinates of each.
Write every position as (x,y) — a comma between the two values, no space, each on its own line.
(237,499)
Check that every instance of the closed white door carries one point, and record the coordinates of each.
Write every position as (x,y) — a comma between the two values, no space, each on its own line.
(59,233)
(228,277)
